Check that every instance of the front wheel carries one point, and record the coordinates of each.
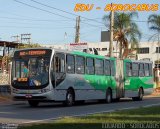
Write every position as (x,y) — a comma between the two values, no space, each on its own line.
(33,103)
(69,98)
(140,95)
(108,96)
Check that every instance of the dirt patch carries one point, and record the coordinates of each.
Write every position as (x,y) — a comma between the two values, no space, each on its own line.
(156,93)
(5,99)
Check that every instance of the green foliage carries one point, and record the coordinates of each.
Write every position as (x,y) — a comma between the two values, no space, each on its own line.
(131,118)
(28,46)
(125,31)
(154,22)
(154,25)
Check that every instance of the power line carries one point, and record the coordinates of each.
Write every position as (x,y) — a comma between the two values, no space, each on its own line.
(34,27)
(27,23)
(91,24)
(27,19)
(86,34)
(131,20)
(49,11)
(64,11)
(43,10)
(53,8)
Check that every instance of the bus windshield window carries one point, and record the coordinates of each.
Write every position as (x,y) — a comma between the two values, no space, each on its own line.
(30,71)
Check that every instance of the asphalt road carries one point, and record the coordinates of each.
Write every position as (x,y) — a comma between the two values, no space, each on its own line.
(21,112)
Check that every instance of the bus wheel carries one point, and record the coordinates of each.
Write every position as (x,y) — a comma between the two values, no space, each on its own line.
(108,96)
(140,95)
(69,98)
(33,103)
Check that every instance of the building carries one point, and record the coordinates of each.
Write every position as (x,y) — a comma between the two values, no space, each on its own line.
(147,50)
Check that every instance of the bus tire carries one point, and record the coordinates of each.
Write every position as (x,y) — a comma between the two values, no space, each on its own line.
(70,98)
(108,96)
(140,95)
(33,103)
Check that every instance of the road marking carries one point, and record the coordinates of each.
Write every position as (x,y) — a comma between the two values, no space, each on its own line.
(7,113)
(152,105)
(78,115)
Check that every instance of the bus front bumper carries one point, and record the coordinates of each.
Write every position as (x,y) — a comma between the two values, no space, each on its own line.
(40,97)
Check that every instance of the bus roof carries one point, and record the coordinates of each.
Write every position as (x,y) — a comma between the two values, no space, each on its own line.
(85,54)
(79,53)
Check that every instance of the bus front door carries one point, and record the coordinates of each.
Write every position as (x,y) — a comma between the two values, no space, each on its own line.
(59,68)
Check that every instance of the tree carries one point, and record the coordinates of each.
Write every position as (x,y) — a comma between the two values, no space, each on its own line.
(125,31)
(29,46)
(154,25)
(154,22)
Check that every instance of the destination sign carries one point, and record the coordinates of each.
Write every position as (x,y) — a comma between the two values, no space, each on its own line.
(32,52)
(36,52)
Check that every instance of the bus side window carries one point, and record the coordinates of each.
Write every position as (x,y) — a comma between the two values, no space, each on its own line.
(90,66)
(107,68)
(141,70)
(146,67)
(128,69)
(80,63)
(70,62)
(135,69)
(99,67)
(112,63)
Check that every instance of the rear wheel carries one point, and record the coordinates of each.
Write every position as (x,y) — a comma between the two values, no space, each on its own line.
(108,96)
(69,98)
(140,95)
(33,103)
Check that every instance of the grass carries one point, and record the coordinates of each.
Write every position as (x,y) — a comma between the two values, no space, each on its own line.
(141,117)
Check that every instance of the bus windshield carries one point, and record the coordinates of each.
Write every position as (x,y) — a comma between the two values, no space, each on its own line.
(30,69)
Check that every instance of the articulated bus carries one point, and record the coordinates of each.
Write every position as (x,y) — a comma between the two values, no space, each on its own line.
(45,74)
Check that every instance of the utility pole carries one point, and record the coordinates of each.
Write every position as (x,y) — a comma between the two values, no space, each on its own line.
(77,36)
(16,38)
(26,37)
(158,50)
(111,34)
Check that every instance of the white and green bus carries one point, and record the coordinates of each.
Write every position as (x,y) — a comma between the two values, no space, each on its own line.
(45,74)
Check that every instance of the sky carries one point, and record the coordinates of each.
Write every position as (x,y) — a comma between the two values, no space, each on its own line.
(48,28)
